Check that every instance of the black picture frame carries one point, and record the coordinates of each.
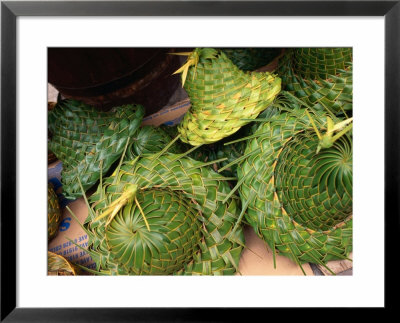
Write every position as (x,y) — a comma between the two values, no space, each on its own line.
(10,10)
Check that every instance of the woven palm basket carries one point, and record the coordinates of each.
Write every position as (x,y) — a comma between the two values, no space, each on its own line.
(164,214)
(250,59)
(321,62)
(53,213)
(321,77)
(57,265)
(296,196)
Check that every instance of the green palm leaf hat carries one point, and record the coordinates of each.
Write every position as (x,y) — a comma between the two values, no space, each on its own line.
(295,183)
(321,77)
(88,141)
(53,212)
(321,62)
(223,98)
(164,214)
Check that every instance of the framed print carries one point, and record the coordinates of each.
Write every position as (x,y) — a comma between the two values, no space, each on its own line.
(30,30)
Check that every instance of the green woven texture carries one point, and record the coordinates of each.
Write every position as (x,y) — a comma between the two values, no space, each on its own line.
(223,149)
(207,153)
(222,96)
(298,201)
(211,152)
(59,266)
(53,213)
(332,93)
(88,141)
(250,59)
(149,140)
(229,148)
(181,200)
(321,62)
(217,151)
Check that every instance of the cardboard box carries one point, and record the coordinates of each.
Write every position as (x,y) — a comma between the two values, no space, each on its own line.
(169,116)
(70,229)
(257,259)
(339,267)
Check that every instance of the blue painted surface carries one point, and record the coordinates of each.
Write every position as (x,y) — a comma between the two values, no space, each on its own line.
(65,224)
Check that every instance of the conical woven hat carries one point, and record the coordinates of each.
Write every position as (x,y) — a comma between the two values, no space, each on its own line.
(223,97)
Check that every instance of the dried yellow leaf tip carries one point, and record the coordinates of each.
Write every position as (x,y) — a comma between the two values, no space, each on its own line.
(192,60)
(126,197)
(328,139)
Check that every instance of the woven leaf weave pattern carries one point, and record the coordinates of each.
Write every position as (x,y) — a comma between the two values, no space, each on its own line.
(333,93)
(150,140)
(53,213)
(221,96)
(299,202)
(88,141)
(205,222)
(249,59)
(321,62)
(59,266)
